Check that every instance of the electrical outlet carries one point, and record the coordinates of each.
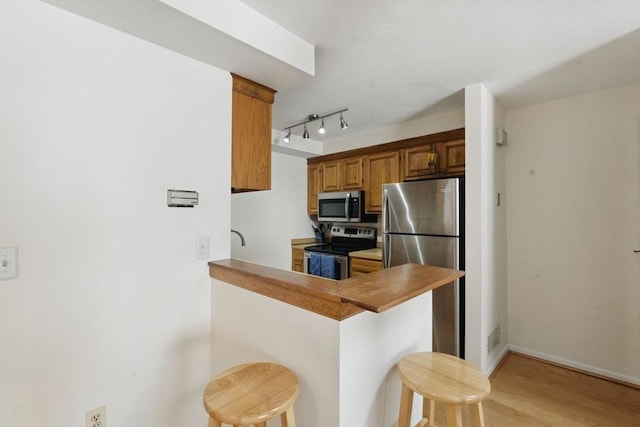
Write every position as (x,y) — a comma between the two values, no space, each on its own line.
(96,417)
(202,247)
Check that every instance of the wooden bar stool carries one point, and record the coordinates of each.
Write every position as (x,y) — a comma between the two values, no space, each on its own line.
(441,378)
(252,394)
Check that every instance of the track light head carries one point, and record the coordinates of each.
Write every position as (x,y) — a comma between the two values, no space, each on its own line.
(343,124)
(322,129)
(287,137)
(305,134)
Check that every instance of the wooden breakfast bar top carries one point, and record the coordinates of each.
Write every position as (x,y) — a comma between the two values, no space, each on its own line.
(338,299)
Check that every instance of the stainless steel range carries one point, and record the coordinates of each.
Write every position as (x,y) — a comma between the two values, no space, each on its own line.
(332,259)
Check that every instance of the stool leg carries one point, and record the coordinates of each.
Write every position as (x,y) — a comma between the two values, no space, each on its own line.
(477,415)
(454,416)
(214,423)
(288,419)
(429,411)
(406,402)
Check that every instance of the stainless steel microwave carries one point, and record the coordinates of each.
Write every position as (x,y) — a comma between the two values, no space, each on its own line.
(341,206)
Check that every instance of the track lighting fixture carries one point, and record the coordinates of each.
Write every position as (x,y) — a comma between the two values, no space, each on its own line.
(313,117)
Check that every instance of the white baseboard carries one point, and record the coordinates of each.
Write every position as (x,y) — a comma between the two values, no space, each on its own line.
(576,365)
(496,361)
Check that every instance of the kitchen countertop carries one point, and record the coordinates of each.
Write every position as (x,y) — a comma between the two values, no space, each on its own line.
(338,299)
(374,254)
(303,242)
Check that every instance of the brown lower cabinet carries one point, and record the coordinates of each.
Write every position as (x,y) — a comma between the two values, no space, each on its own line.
(297,259)
(361,266)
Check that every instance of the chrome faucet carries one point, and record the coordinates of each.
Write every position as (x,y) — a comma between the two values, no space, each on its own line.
(242,241)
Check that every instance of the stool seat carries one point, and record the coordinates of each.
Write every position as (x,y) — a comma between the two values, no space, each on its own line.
(442,378)
(252,393)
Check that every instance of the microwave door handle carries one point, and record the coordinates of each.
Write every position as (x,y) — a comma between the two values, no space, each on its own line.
(347,201)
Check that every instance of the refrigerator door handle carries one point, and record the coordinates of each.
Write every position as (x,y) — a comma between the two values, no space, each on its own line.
(385,212)
(386,250)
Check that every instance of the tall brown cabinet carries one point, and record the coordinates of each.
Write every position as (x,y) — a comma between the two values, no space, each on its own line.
(250,135)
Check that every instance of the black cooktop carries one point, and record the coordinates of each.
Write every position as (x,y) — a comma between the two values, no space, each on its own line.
(339,247)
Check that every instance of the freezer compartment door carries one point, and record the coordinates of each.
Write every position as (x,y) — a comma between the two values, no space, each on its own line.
(438,251)
(422,207)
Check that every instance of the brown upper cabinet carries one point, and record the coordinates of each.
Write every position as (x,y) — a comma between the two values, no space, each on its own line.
(314,186)
(331,176)
(381,168)
(352,173)
(250,135)
(454,160)
(449,160)
(343,174)
(370,167)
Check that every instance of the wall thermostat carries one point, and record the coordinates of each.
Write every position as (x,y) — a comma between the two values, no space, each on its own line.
(182,198)
(501,137)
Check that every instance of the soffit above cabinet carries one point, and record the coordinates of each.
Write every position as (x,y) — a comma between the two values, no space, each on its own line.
(225,34)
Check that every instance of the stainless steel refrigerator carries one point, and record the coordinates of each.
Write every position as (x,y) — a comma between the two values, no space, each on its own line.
(423,223)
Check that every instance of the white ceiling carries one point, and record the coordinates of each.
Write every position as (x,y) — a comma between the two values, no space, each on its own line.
(394,61)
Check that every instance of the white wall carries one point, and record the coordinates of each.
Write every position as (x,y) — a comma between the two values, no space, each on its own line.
(371,345)
(486,288)
(573,185)
(270,219)
(346,369)
(111,306)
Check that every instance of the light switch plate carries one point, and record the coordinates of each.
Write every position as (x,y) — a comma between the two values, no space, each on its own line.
(8,263)
(202,247)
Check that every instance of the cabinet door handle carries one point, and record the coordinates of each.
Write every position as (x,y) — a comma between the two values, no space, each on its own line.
(636,251)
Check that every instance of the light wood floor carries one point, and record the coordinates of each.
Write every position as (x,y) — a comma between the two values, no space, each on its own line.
(527,392)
